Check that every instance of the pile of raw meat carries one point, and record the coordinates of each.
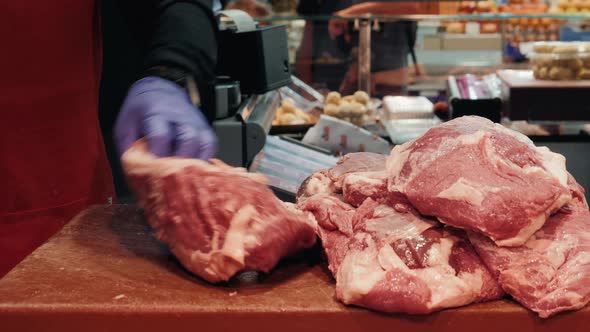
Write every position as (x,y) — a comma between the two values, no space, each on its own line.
(463,214)
(468,212)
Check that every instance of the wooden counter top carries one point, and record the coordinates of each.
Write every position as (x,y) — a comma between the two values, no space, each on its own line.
(105,272)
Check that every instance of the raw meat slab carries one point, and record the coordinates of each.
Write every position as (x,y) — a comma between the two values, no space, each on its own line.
(473,174)
(217,220)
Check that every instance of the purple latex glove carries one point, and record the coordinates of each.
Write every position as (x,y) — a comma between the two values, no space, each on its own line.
(161,111)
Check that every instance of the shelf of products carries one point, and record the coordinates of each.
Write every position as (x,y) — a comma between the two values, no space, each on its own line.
(429,17)
(452,38)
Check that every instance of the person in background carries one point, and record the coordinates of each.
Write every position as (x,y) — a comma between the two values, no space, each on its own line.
(52,155)
(320,59)
(390,45)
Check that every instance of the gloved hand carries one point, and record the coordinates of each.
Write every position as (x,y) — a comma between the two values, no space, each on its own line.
(161,111)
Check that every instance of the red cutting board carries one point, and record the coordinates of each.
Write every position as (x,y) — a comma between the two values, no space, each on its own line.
(105,272)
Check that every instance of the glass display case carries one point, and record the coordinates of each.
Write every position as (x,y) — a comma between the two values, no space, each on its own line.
(387,54)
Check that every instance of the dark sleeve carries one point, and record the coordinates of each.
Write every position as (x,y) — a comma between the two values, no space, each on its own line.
(322,7)
(308,7)
(178,34)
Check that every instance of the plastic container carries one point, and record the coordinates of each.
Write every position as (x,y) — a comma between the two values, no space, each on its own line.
(404,130)
(561,61)
(401,107)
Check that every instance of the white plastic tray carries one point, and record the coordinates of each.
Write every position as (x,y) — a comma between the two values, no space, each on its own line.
(403,130)
(401,107)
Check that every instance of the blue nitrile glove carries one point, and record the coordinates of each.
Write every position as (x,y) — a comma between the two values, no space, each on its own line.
(161,111)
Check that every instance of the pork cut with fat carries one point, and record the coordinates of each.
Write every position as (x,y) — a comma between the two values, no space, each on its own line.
(473,174)
(356,176)
(334,225)
(317,183)
(357,187)
(550,273)
(392,260)
(216,219)
(469,173)
(355,163)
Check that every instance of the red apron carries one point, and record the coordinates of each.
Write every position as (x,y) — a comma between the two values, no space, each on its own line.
(52,158)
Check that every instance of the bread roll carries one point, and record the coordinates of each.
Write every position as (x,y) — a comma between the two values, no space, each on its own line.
(362,97)
(333,98)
